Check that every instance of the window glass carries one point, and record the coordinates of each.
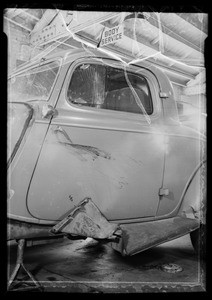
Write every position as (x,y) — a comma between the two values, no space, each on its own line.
(34,84)
(105,87)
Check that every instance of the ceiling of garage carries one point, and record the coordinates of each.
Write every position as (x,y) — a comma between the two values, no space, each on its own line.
(173,41)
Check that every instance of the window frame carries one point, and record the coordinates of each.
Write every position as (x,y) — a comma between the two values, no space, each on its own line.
(135,69)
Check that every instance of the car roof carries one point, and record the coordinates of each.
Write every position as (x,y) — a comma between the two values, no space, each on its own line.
(64,54)
(67,54)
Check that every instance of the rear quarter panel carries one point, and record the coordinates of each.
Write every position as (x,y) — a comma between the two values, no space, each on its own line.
(21,170)
(183,156)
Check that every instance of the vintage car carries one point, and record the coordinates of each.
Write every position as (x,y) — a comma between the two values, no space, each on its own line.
(96,149)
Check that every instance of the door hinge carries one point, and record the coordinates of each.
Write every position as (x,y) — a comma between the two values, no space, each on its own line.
(163,95)
(163,192)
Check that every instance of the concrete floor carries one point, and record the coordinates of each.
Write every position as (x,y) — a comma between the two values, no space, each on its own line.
(76,267)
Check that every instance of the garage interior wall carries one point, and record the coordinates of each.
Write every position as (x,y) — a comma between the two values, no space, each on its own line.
(16,39)
(20,50)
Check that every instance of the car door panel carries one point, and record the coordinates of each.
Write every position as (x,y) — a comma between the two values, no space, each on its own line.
(121,171)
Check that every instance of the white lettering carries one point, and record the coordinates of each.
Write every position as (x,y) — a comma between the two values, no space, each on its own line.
(112,35)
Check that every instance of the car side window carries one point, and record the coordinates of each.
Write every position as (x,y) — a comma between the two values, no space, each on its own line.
(105,87)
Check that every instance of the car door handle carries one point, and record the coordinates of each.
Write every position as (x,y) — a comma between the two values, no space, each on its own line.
(60,130)
(48,111)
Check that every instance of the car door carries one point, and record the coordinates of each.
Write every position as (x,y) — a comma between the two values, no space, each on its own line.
(103,143)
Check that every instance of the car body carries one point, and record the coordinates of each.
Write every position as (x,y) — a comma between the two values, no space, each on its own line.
(77,128)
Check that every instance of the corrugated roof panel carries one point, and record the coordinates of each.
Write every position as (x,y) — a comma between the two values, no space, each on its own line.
(183,28)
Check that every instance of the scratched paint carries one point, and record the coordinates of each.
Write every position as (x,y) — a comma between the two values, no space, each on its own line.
(80,149)
(85,149)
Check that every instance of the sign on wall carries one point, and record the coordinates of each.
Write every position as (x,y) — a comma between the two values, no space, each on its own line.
(111,35)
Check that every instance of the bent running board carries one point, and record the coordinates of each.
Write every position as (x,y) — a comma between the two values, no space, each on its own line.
(138,237)
(86,220)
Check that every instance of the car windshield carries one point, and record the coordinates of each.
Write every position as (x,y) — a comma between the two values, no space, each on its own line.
(33,84)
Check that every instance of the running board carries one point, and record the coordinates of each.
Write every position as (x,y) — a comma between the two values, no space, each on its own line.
(138,237)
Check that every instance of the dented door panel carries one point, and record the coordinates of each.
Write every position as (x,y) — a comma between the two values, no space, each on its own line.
(113,168)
